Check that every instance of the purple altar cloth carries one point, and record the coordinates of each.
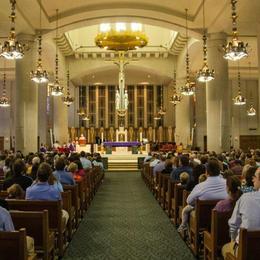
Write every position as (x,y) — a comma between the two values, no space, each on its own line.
(121,144)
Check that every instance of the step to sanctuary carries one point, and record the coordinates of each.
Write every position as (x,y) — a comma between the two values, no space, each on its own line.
(120,162)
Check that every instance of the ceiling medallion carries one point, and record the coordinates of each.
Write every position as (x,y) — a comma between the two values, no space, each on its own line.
(235,49)
(121,36)
(12,49)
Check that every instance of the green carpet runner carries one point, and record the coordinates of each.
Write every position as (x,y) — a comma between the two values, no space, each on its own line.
(125,222)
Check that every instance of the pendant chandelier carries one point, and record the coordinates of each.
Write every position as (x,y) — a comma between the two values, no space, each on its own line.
(4,100)
(55,88)
(121,36)
(235,49)
(175,98)
(205,74)
(239,100)
(12,49)
(251,111)
(68,99)
(188,88)
(39,75)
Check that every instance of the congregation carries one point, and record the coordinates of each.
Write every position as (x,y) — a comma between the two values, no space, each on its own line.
(229,182)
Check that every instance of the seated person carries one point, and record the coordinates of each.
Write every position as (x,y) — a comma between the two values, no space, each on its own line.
(234,193)
(184,167)
(61,175)
(97,161)
(248,185)
(15,192)
(86,163)
(168,167)
(160,166)
(184,178)
(73,168)
(19,176)
(245,215)
(42,190)
(213,188)
(6,224)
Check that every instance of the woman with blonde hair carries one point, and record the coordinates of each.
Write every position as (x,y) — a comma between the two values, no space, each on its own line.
(15,192)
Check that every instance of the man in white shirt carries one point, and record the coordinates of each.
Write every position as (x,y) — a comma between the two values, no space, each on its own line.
(245,215)
(213,188)
(86,163)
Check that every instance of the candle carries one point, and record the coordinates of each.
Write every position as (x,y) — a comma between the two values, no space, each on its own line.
(141,136)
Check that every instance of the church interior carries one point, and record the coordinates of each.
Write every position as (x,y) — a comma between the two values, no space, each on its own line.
(124,84)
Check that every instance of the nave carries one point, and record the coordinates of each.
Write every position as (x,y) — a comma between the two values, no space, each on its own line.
(125,222)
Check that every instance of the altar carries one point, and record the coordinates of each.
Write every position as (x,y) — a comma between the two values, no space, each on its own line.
(122,147)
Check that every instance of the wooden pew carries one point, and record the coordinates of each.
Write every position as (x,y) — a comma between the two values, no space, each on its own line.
(248,248)
(75,200)
(67,205)
(164,189)
(36,224)
(176,202)
(3,194)
(55,217)
(185,195)
(169,197)
(200,220)
(218,235)
(13,246)
(81,196)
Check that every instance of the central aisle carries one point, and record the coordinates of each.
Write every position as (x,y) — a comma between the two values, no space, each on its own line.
(125,222)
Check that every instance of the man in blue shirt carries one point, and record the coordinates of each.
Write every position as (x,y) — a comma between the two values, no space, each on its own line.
(184,167)
(63,176)
(6,223)
(42,190)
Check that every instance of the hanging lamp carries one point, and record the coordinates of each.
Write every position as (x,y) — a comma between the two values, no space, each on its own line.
(39,75)
(4,100)
(55,88)
(235,49)
(188,88)
(251,111)
(12,49)
(175,98)
(68,99)
(239,100)
(205,74)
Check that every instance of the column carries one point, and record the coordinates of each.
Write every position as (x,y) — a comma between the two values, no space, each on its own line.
(218,98)
(183,115)
(257,105)
(60,110)
(26,100)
